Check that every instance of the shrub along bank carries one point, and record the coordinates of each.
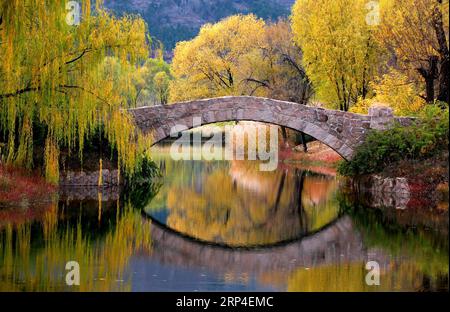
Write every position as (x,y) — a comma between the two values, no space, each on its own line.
(421,141)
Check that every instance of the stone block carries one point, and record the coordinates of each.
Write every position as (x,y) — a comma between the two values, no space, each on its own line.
(380,111)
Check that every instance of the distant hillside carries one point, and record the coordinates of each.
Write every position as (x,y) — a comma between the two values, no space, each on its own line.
(175,20)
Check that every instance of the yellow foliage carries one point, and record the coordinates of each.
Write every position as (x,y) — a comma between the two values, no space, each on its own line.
(106,258)
(161,82)
(351,277)
(362,106)
(211,64)
(240,55)
(408,27)
(51,161)
(238,205)
(394,90)
(53,74)
(340,54)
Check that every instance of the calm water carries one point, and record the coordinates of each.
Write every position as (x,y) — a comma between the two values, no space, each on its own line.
(222,226)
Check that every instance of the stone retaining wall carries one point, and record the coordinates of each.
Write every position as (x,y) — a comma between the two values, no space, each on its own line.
(83,193)
(386,191)
(80,178)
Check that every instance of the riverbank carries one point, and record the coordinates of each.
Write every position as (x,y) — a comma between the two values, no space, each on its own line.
(23,197)
(319,157)
(409,184)
(18,187)
(430,172)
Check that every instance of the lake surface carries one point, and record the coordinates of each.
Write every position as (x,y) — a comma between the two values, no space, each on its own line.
(222,226)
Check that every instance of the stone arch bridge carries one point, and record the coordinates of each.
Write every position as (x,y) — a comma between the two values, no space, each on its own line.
(341,131)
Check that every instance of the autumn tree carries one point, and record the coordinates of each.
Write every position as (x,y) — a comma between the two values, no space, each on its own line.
(416,31)
(339,49)
(152,82)
(50,77)
(396,90)
(210,65)
(241,55)
(120,74)
(278,69)
(278,66)
(161,82)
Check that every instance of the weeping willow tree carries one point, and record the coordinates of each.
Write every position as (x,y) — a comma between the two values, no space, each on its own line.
(52,75)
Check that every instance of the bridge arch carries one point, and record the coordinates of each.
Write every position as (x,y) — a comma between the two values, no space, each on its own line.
(338,241)
(341,131)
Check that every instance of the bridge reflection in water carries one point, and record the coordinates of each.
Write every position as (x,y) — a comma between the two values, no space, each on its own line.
(287,228)
(219,226)
(338,243)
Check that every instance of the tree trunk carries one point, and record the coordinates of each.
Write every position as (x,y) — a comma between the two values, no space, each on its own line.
(443,81)
(279,192)
(443,93)
(299,185)
(429,82)
(285,136)
(430,75)
(303,139)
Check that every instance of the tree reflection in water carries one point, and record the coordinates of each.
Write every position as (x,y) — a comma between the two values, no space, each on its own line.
(230,203)
(235,204)
(33,255)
